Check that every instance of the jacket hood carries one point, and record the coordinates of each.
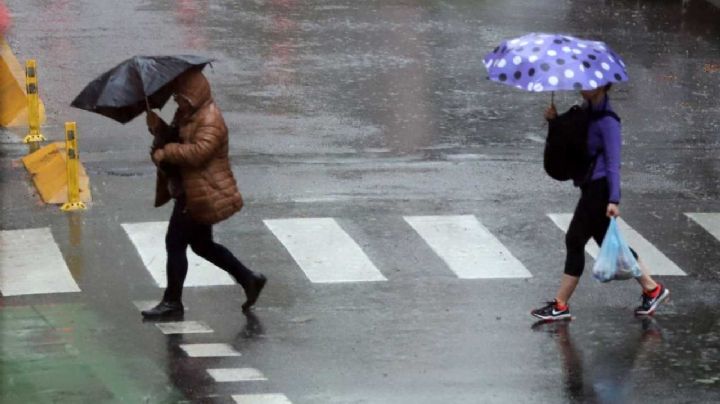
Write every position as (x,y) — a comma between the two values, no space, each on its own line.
(194,86)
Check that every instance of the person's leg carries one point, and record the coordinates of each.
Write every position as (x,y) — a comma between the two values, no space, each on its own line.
(577,236)
(203,245)
(176,243)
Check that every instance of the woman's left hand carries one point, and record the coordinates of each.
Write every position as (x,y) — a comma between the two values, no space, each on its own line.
(613,210)
(158,156)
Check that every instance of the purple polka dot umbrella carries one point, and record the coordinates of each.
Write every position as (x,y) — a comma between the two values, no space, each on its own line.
(551,62)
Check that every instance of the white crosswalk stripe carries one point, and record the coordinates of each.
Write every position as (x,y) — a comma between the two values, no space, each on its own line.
(31,263)
(149,240)
(236,375)
(212,350)
(324,251)
(709,222)
(468,248)
(261,399)
(654,259)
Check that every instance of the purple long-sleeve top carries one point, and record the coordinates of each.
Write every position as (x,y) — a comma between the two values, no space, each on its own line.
(605,138)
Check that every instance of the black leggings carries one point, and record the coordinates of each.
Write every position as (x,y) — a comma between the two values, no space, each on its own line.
(183,231)
(590,220)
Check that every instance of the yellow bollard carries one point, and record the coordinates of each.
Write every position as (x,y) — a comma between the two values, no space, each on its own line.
(34,137)
(73,174)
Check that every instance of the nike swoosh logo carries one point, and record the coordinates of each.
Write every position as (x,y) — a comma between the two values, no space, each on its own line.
(555,312)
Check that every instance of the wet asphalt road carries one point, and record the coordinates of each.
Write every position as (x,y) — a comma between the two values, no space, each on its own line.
(366,112)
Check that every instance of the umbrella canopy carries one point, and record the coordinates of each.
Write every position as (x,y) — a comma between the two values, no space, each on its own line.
(551,62)
(135,85)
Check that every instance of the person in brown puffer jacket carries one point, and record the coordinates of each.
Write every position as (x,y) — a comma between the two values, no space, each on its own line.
(194,169)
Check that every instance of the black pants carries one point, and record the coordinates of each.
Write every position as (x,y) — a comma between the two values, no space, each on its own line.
(183,231)
(590,220)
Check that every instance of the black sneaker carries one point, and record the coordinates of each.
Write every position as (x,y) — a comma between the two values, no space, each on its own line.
(649,304)
(551,313)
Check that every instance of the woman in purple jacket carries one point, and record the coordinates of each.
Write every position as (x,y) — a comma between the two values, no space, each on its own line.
(599,201)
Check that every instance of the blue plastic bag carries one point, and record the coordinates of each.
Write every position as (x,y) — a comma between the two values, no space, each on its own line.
(615,261)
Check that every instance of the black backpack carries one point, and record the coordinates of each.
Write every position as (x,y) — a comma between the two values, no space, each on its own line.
(566,155)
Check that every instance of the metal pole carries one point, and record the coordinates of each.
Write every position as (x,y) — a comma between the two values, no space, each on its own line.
(73,169)
(34,137)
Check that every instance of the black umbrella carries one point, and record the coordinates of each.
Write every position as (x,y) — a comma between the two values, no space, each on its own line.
(135,85)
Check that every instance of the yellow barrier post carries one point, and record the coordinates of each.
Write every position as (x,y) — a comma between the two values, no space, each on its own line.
(73,174)
(34,137)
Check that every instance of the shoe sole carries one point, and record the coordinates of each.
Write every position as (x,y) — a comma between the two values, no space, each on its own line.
(663,297)
(553,318)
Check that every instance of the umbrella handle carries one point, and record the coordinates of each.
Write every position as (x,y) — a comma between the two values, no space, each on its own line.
(147,104)
(552,98)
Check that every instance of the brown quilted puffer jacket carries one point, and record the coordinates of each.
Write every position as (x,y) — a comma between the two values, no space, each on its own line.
(202,155)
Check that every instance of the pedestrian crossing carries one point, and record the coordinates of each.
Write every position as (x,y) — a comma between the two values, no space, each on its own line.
(23,271)
(467,247)
(325,252)
(31,262)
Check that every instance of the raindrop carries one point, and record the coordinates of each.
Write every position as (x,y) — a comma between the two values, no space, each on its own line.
(538,87)
(536,49)
(502,77)
(517,60)
(605,66)
(553,80)
(577,51)
(501,63)
(531,72)
(598,74)
(551,53)
(566,49)
(561,61)
(545,67)
(569,73)
(618,77)
(577,86)
(517,75)
(593,57)
(593,84)
(581,45)
(533,58)
(558,41)
(586,64)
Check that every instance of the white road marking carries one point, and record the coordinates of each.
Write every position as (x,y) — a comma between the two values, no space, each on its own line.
(209,350)
(183,327)
(654,259)
(324,251)
(149,304)
(709,222)
(31,263)
(149,241)
(236,375)
(468,248)
(261,399)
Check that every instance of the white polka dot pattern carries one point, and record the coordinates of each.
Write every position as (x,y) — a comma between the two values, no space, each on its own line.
(550,62)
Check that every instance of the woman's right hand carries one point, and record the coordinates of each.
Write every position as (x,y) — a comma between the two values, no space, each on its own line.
(551,113)
(153,121)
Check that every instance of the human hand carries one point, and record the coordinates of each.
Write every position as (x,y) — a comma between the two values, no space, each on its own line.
(551,113)
(153,121)
(613,210)
(158,156)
